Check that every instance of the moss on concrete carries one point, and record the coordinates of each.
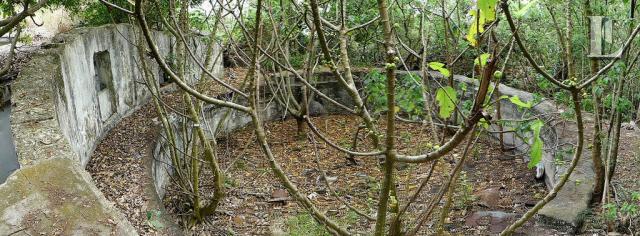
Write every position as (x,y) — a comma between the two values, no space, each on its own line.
(55,196)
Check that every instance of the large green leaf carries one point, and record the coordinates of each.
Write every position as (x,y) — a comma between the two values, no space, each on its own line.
(536,147)
(485,12)
(476,27)
(488,9)
(447,98)
(482,59)
(516,100)
(440,68)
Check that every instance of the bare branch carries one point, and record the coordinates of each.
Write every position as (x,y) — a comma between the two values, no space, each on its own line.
(364,24)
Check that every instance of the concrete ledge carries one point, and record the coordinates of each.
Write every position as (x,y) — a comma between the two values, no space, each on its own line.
(57,197)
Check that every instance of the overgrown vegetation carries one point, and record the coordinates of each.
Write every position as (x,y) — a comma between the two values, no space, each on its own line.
(543,46)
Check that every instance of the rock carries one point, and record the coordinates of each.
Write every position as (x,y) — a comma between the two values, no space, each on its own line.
(316,109)
(238,220)
(279,195)
(631,125)
(530,202)
(400,166)
(489,197)
(330,179)
(48,194)
(495,220)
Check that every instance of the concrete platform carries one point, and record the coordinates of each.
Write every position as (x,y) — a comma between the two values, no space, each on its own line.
(56,197)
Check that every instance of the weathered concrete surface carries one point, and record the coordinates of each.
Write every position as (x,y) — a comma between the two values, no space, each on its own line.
(57,197)
(36,131)
(70,95)
(565,211)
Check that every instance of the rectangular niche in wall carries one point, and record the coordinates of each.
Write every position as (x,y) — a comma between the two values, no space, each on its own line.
(104,84)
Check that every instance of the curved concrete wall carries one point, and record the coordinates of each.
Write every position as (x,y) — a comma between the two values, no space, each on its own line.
(69,96)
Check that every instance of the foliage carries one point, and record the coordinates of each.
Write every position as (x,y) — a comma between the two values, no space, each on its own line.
(536,147)
(408,93)
(464,192)
(303,224)
(446,98)
(484,13)
(440,68)
(95,13)
(482,60)
(516,100)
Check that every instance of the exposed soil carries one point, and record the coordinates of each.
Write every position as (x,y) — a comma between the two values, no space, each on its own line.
(118,166)
(491,181)
(625,183)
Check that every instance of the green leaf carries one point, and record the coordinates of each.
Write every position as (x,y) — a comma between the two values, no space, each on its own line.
(482,59)
(536,147)
(440,68)
(484,13)
(520,13)
(476,27)
(483,123)
(436,65)
(516,100)
(447,98)
(445,72)
(488,9)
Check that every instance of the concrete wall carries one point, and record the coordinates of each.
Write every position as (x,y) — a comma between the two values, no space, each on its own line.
(65,100)
(88,81)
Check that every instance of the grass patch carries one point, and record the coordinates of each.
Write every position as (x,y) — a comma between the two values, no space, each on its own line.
(304,225)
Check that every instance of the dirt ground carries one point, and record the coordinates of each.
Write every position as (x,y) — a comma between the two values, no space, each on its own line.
(250,209)
(624,185)
(256,203)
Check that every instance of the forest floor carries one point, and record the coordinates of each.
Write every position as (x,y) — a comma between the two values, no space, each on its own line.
(625,184)
(256,203)
(490,181)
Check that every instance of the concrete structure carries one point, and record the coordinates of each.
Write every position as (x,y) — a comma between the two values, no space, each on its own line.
(65,100)
(93,78)
(563,213)
(566,211)
(232,120)
(70,95)
(57,197)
